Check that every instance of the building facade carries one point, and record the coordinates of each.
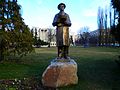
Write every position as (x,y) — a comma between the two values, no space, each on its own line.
(45,34)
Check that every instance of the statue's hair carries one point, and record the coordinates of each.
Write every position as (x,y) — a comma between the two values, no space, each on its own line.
(61,4)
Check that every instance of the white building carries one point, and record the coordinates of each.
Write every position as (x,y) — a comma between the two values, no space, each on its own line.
(45,34)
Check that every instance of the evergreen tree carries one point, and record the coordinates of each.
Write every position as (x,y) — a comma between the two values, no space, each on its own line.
(115,29)
(15,36)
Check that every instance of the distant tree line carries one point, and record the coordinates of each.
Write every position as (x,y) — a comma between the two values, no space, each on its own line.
(108,33)
(15,36)
(105,21)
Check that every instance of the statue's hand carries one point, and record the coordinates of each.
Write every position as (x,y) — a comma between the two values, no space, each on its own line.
(60,24)
(67,24)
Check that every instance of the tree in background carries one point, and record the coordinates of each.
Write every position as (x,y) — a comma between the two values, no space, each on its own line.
(100,21)
(15,36)
(35,37)
(94,38)
(51,36)
(105,37)
(106,27)
(85,35)
(115,29)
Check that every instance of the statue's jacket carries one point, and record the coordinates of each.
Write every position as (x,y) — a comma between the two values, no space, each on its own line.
(62,32)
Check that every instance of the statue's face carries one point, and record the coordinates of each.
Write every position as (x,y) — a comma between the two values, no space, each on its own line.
(62,7)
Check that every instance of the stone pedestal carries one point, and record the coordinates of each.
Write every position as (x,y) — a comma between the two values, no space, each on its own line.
(60,73)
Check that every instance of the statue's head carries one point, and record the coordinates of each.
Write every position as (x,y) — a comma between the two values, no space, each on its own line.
(61,6)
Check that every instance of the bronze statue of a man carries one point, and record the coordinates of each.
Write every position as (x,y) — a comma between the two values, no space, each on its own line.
(62,23)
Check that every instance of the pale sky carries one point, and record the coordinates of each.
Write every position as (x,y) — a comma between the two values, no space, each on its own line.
(40,13)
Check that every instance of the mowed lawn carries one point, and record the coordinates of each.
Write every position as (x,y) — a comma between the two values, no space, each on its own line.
(97,69)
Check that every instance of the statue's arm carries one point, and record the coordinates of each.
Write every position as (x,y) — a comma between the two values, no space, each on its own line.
(55,20)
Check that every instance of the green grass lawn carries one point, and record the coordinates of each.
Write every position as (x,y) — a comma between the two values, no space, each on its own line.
(97,69)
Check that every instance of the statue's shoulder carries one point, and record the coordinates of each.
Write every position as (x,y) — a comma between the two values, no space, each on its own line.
(66,14)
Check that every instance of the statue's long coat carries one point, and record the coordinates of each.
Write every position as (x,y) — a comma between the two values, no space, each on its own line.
(62,32)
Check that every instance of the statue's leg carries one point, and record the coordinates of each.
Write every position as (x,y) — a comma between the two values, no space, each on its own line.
(65,52)
(59,51)
(62,53)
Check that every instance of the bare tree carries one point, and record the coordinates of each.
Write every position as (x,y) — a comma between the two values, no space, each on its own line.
(106,27)
(100,21)
(51,36)
(84,34)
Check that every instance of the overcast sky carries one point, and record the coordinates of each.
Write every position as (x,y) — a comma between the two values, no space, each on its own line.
(40,13)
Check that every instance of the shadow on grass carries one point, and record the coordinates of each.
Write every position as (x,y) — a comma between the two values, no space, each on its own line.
(97,75)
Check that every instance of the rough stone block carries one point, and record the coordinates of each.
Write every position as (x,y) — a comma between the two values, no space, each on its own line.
(60,73)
